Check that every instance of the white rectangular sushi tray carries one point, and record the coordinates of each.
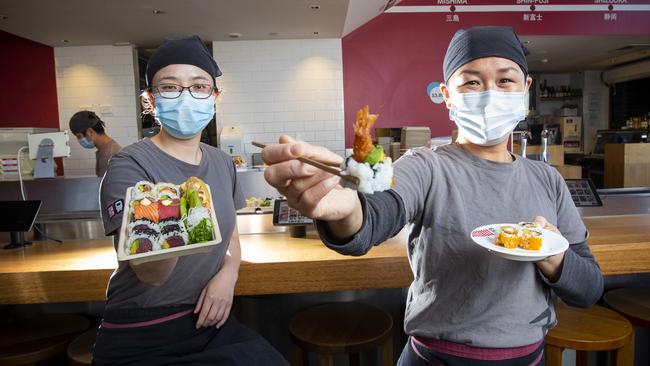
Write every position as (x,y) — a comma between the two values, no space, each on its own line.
(161,254)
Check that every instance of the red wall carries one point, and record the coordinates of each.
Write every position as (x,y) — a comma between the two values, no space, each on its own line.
(28,79)
(389,61)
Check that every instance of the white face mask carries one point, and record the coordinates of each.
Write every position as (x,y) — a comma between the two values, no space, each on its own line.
(487,118)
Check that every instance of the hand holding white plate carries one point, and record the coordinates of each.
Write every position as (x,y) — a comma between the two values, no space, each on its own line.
(552,244)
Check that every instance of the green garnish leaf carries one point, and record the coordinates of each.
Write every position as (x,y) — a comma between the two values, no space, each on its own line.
(376,155)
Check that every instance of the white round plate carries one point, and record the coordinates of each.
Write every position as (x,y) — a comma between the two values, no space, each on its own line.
(552,244)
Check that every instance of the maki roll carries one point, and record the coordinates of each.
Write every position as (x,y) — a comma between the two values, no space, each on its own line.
(531,239)
(368,162)
(142,243)
(173,234)
(143,227)
(144,186)
(508,237)
(144,236)
(167,190)
(530,225)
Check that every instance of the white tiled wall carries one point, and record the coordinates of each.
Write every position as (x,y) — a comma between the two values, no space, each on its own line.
(276,87)
(88,77)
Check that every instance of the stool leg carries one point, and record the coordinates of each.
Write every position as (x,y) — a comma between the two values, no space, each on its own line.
(553,355)
(326,360)
(387,352)
(355,359)
(582,358)
(300,357)
(625,354)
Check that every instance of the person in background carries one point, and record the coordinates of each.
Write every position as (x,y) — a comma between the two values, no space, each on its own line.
(90,133)
(465,306)
(176,311)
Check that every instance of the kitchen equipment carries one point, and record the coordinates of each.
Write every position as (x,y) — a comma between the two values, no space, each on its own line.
(230,140)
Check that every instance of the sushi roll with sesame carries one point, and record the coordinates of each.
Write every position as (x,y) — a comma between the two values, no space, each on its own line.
(173,234)
(368,162)
(144,186)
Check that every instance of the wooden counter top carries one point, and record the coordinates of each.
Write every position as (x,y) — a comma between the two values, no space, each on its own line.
(276,264)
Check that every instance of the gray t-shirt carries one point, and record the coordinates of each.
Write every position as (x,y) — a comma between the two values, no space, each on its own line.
(103,155)
(460,292)
(143,160)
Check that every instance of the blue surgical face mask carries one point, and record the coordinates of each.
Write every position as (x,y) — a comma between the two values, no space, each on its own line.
(487,118)
(184,117)
(86,144)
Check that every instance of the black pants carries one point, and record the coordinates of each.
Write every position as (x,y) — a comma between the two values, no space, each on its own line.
(410,357)
(178,342)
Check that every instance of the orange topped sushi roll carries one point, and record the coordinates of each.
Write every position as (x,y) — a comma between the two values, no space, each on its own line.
(531,239)
(508,237)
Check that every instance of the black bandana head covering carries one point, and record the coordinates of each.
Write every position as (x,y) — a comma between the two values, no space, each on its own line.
(189,51)
(477,42)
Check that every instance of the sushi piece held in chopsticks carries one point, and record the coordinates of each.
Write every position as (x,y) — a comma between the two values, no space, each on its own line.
(368,162)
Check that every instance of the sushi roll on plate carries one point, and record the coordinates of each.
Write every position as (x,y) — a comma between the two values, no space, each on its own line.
(508,237)
(368,162)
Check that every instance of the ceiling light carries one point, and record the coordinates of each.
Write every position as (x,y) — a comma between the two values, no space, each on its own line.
(316,33)
(544,60)
(528,42)
(314,7)
(235,35)
(273,34)
(65,41)
(3,17)
(158,12)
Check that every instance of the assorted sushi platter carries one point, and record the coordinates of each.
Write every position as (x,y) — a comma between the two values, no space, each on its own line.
(165,220)
(525,241)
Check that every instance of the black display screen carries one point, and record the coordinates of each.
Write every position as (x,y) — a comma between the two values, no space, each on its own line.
(18,215)
(285,215)
(583,192)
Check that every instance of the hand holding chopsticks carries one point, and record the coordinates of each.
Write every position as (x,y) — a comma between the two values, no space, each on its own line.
(330,169)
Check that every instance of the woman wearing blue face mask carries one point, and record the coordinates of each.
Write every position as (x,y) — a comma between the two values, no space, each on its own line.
(465,306)
(177,311)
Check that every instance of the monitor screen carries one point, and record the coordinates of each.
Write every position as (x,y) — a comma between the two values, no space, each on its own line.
(18,215)
(285,215)
(583,192)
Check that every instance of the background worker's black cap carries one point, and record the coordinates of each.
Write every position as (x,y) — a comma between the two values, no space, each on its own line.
(82,121)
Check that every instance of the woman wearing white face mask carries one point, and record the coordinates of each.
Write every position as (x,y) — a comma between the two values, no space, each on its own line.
(465,306)
(177,311)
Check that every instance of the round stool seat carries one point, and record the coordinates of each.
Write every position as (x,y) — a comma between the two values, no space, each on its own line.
(37,339)
(593,329)
(634,303)
(340,328)
(80,351)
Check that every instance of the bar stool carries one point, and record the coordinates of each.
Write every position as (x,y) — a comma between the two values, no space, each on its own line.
(80,351)
(634,303)
(38,339)
(349,328)
(593,329)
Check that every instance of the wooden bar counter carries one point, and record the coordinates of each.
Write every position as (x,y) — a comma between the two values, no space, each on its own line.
(275,263)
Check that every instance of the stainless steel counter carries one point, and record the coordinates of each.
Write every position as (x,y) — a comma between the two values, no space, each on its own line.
(620,201)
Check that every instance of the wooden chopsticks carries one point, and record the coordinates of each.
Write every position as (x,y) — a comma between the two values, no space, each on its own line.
(330,169)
